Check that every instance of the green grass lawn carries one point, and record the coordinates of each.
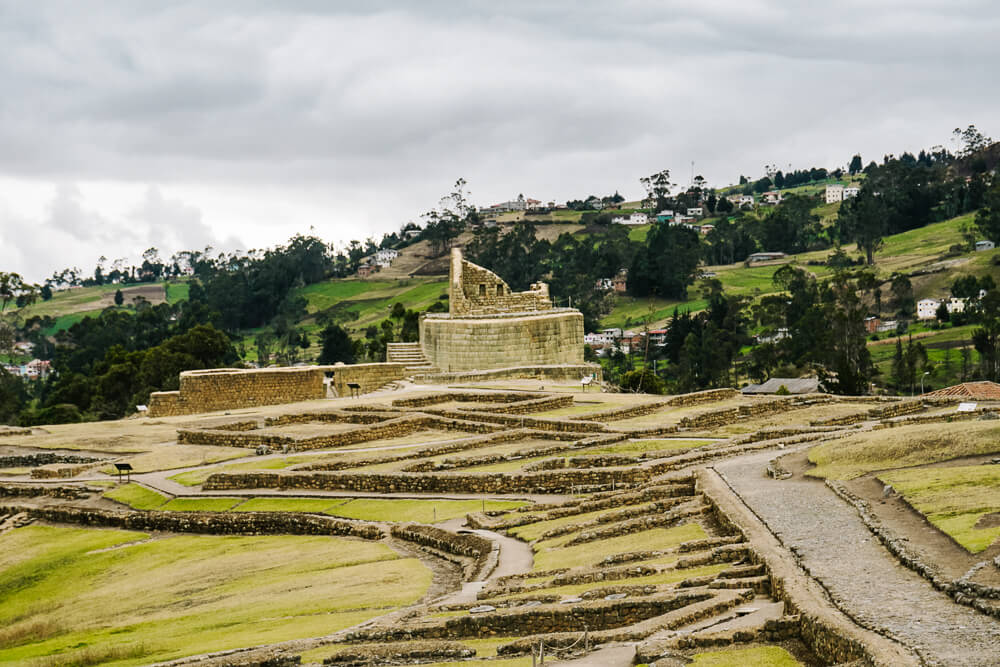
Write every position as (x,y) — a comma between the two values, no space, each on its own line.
(547,558)
(758,656)
(85,596)
(321,296)
(267,504)
(207,504)
(903,447)
(422,511)
(64,322)
(177,291)
(136,496)
(953,499)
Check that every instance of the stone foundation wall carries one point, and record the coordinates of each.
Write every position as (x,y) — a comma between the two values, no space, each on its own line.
(392,428)
(213,523)
(24,491)
(548,481)
(31,460)
(570,374)
(231,388)
(369,376)
(467,343)
(544,619)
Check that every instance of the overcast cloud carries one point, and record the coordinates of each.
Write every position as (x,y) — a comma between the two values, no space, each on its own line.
(125,125)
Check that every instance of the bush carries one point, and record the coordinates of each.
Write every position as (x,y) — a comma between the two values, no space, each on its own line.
(782,391)
(63,413)
(644,381)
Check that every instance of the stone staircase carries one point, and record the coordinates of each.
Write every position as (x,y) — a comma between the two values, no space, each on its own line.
(410,354)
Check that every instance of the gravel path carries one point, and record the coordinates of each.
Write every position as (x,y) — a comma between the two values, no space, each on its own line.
(863,579)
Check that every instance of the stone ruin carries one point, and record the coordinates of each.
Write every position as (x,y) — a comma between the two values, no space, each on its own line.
(489,326)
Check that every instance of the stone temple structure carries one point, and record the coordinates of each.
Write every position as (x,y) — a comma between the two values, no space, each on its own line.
(489,326)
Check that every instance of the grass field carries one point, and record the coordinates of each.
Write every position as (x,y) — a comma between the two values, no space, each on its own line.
(316,505)
(85,596)
(136,496)
(423,511)
(903,447)
(758,656)
(212,504)
(550,558)
(954,499)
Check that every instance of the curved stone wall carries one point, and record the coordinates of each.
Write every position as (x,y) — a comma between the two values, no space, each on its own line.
(466,343)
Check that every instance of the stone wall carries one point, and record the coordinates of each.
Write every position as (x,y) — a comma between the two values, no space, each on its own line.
(473,290)
(213,523)
(593,616)
(25,491)
(563,481)
(568,373)
(31,460)
(392,428)
(231,388)
(453,344)
(369,376)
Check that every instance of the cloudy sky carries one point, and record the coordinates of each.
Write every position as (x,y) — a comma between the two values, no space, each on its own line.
(130,124)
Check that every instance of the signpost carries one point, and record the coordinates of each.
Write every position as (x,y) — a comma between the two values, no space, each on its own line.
(124,468)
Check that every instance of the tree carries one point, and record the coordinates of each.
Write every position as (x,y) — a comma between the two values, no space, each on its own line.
(902,294)
(942,313)
(972,140)
(13,288)
(986,337)
(988,217)
(657,188)
(855,166)
(665,265)
(119,298)
(450,218)
(863,220)
(337,345)
(791,227)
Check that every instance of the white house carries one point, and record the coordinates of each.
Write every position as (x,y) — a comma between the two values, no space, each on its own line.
(634,219)
(984,245)
(851,191)
(834,193)
(705,229)
(887,325)
(955,305)
(385,256)
(745,200)
(772,197)
(927,309)
(696,210)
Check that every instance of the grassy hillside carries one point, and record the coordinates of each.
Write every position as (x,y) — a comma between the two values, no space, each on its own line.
(924,250)
(358,304)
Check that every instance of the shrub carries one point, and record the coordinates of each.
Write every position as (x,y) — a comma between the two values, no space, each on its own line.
(644,381)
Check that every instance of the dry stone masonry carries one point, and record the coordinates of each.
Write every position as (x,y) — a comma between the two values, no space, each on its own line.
(488,326)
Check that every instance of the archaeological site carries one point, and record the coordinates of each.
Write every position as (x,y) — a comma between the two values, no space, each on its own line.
(483,499)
